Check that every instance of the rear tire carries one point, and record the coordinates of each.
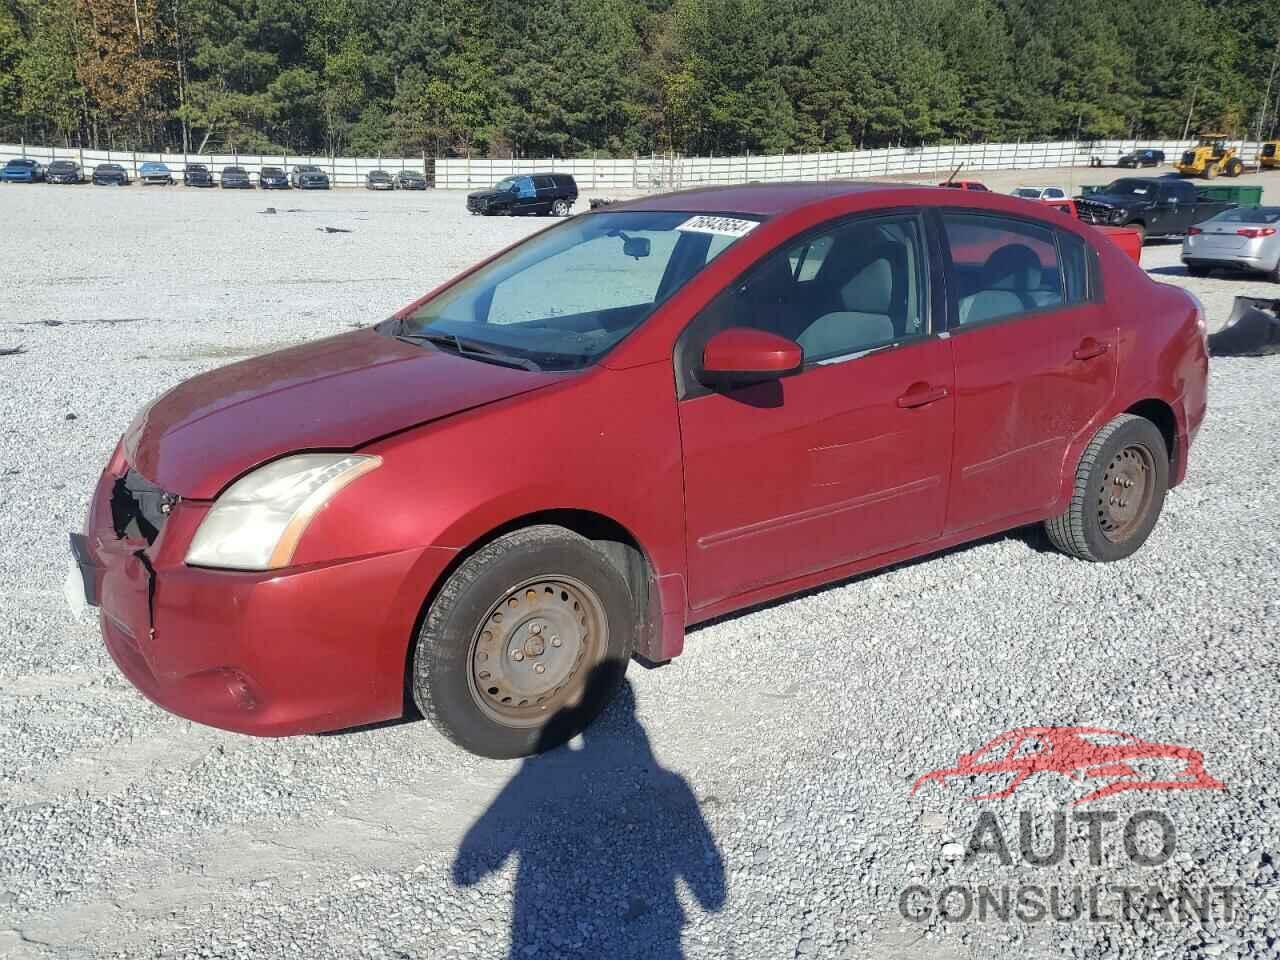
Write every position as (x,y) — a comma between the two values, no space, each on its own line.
(525,644)
(560,208)
(1119,491)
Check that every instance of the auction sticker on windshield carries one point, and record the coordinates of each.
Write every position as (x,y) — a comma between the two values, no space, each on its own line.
(721,226)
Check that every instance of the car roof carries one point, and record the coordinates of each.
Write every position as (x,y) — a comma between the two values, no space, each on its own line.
(766,199)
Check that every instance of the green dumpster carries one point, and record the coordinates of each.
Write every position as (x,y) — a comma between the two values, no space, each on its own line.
(1239,195)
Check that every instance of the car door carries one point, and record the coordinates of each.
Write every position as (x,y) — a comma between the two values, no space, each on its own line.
(545,188)
(1035,361)
(525,199)
(847,459)
(1186,199)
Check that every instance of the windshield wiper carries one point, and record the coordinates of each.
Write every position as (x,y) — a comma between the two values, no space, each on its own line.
(455,343)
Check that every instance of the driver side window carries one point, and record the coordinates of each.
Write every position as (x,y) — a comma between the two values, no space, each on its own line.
(839,291)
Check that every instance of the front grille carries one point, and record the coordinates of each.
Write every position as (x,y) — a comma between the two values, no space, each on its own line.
(139,507)
(1091,212)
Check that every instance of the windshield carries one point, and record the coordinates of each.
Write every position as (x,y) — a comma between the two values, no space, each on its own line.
(271,171)
(21,163)
(1130,188)
(154,166)
(1250,215)
(505,184)
(308,169)
(566,296)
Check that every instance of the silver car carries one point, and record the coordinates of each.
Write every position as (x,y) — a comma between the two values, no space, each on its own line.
(1246,238)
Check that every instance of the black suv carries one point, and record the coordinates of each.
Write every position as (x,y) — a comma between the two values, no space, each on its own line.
(197,175)
(110,173)
(527,193)
(307,176)
(273,178)
(64,171)
(1142,158)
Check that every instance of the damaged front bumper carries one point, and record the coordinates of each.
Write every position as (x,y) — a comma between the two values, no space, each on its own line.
(273,653)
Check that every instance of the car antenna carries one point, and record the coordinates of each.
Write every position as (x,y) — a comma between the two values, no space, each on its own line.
(953,174)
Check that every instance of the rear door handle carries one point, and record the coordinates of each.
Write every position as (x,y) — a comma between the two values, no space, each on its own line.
(1089,349)
(919,398)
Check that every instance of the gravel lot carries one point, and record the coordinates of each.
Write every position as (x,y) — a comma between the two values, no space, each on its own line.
(750,800)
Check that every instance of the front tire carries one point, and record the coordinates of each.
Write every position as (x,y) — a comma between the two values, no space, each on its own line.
(1119,491)
(525,644)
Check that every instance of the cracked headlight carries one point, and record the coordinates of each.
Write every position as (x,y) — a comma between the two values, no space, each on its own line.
(257,522)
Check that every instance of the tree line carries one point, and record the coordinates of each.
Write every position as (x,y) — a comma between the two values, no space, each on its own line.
(616,77)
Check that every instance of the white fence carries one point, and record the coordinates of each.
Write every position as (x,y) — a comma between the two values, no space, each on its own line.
(654,172)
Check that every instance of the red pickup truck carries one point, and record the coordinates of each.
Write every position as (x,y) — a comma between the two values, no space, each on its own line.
(1126,238)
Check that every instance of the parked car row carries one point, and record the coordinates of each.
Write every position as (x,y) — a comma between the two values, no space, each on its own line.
(303,176)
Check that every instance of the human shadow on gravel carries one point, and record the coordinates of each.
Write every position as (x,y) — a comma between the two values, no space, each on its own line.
(602,835)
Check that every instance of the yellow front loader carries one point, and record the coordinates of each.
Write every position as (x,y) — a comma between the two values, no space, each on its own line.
(1269,155)
(1210,157)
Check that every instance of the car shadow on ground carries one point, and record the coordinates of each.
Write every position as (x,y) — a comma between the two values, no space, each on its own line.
(601,836)
(1173,271)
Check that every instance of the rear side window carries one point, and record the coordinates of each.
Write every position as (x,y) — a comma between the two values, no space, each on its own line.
(543,183)
(1075,267)
(1002,267)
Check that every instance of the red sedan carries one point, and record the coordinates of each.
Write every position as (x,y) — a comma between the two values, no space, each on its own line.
(641,418)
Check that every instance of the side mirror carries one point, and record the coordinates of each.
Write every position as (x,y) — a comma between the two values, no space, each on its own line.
(740,356)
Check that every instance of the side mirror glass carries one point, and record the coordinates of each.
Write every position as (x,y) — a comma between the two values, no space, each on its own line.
(740,356)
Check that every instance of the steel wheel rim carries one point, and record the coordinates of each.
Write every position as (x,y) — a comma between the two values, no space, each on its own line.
(1128,486)
(534,648)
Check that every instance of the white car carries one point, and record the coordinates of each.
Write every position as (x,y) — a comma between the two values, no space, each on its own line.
(1040,193)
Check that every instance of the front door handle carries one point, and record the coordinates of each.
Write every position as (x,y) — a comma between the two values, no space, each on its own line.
(1089,349)
(920,395)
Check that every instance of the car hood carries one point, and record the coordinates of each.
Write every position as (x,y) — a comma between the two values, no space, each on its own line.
(337,393)
(1119,200)
(486,195)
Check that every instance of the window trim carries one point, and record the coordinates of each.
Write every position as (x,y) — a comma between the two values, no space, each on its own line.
(688,387)
(954,327)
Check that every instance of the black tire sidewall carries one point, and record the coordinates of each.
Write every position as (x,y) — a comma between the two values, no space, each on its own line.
(440,681)
(1136,431)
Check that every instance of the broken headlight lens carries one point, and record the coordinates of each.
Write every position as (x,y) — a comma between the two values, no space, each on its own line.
(257,522)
